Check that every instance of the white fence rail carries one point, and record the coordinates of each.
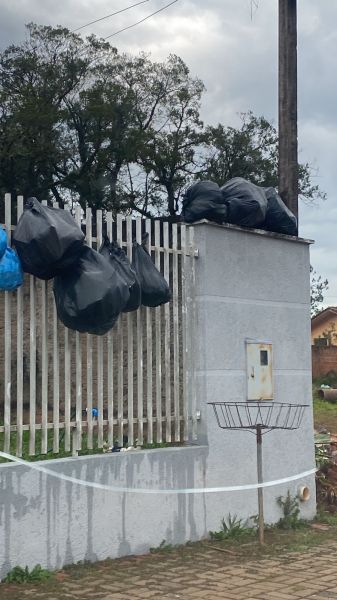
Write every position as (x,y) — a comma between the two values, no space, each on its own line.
(139,376)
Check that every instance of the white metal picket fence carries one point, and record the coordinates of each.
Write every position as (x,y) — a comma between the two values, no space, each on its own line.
(139,376)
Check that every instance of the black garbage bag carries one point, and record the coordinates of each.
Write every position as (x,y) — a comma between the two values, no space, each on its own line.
(91,295)
(47,240)
(246,202)
(203,200)
(278,218)
(154,288)
(115,254)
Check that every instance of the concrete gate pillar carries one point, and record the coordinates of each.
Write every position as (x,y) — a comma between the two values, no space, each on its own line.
(252,284)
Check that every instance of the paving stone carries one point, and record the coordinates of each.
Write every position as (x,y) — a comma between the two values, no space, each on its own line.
(207,576)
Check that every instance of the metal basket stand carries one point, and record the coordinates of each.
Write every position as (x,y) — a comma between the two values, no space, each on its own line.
(259,417)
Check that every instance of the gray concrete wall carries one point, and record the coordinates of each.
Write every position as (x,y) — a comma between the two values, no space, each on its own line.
(54,522)
(249,285)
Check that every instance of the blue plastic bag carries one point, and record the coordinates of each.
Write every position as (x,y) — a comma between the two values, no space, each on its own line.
(11,275)
(3,242)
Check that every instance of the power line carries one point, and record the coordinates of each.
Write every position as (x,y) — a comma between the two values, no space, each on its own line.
(110,15)
(141,21)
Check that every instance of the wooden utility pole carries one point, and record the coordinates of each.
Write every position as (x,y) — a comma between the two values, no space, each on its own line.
(288,151)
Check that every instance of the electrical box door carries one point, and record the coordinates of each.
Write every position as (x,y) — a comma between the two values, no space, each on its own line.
(259,371)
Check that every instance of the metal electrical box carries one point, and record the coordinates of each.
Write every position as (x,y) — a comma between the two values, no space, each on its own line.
(259,370)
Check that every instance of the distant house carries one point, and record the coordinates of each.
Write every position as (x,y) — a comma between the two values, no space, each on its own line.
(324,327)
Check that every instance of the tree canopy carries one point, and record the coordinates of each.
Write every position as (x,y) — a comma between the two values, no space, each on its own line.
(80,122)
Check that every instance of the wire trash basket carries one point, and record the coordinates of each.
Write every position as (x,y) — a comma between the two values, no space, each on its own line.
(268,415)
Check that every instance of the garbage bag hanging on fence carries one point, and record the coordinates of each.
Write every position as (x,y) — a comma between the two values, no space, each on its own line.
(91,295)
(203,200)
(117,256)
(278,218)
(154,288)
(3,242)
(47,240)
(246,202)
(11,275)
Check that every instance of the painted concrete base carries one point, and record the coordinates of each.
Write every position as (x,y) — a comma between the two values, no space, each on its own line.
(53,522)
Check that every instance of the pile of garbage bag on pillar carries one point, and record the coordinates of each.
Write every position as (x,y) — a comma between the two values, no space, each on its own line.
(91,288)
(238,202)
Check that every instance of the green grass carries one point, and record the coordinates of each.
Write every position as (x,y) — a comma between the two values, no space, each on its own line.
(63,453)
(24,575)
(232,528)
(50,455)
(163,547)
(156,445)
(322,406)
(325,517)
(325,413)
(246,545)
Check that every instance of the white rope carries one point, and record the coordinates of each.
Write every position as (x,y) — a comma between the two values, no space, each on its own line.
(110,488)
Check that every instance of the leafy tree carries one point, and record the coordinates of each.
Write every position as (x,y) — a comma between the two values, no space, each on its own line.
(170,153)
(318,287)
(98,136)
(251,151)
(36,77)
(139,119)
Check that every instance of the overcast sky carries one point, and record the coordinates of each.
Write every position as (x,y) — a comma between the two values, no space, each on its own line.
(233,49)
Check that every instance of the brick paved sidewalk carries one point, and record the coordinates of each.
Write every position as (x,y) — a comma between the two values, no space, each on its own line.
(200,572)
